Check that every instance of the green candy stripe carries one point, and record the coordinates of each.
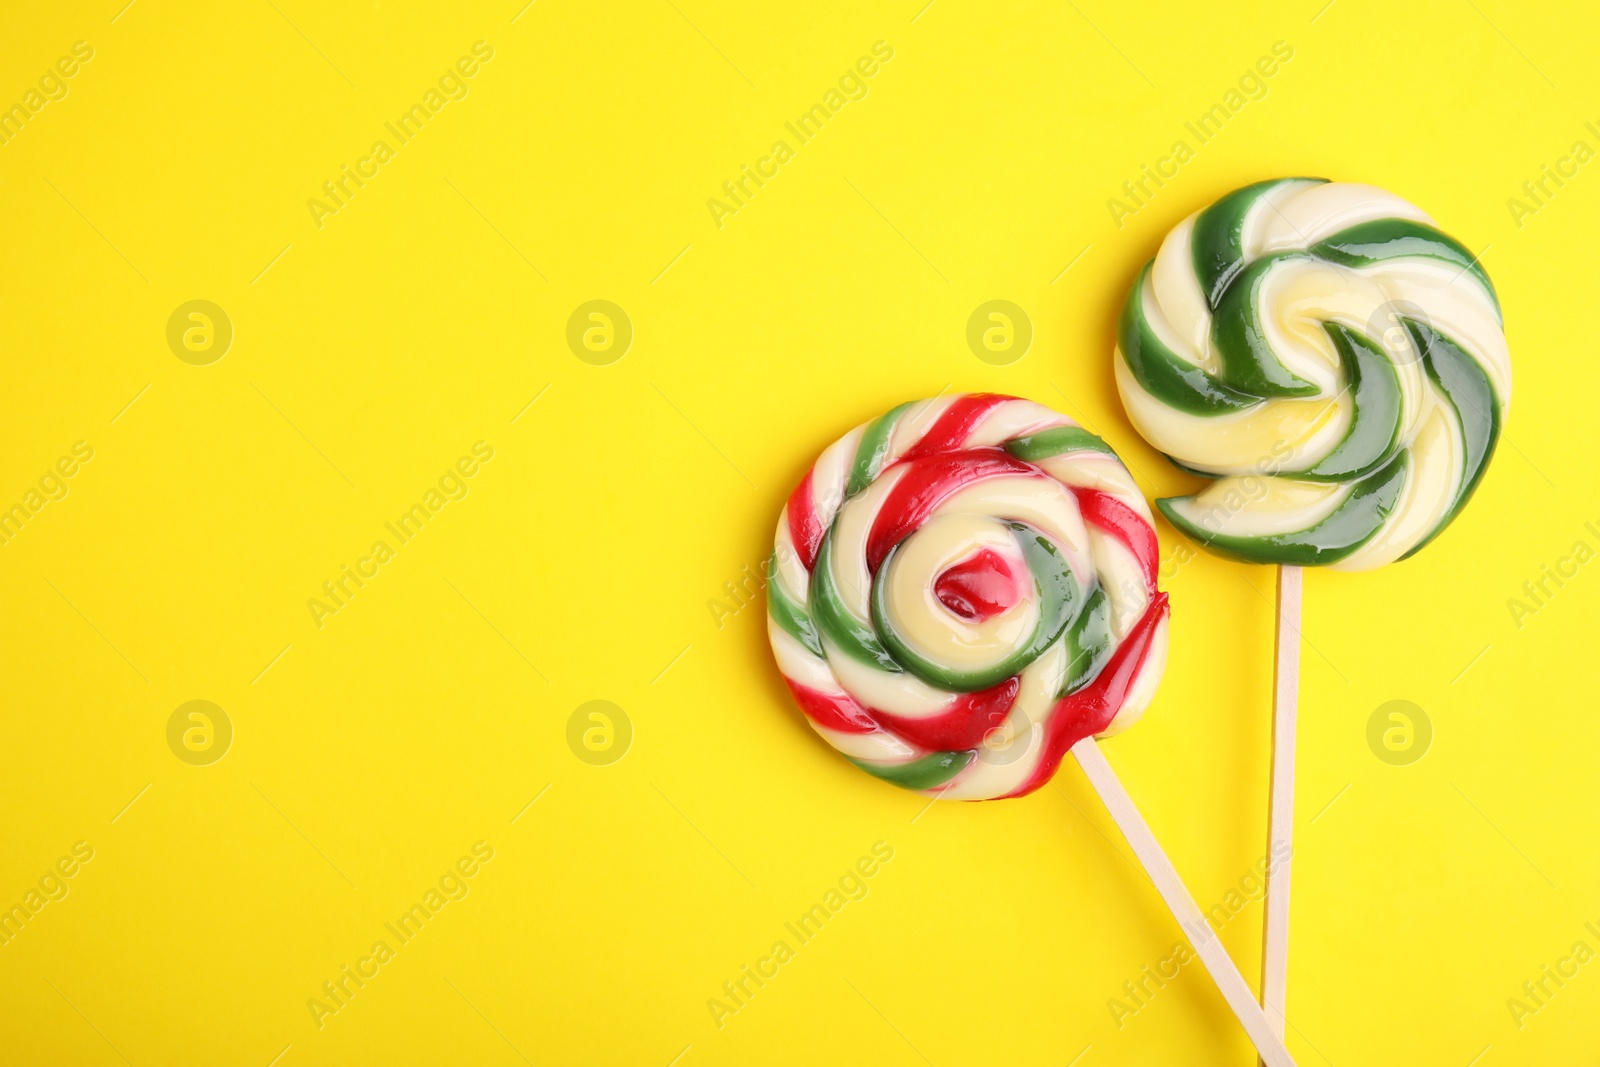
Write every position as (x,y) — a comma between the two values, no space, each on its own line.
(1216,245)
(1374,434)
(1248,362)
(834,620)
(1383,239)
(1352,524)
(1030,448)
(1164,374)
(789,616)
(1196,471)
(1060,599)
(1471,394)
(1088,642)
(929,772)
(873,450)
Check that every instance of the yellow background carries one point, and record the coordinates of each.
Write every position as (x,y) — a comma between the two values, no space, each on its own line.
(426,314)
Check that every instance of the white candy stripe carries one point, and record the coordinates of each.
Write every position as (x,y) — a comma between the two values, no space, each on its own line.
(1155,313)
(1316,212)
(1185,313)
(1100,472)
(1454,303)
(793,578)
(996,774)
(831,473)
(850,532)
(1252,506)
(1039,502)
(1040,683)
(914,425)
(799,665)
(1265,220)
(1436,462)
(1123,580)
(898,694)
(880,747)
(1144,686)
(1014,418)
(1295,297)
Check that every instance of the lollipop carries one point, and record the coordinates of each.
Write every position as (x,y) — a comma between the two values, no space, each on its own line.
(1338,366)
(962,591)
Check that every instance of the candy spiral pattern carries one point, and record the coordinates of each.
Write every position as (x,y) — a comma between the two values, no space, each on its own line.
(962,589)
(1332,359)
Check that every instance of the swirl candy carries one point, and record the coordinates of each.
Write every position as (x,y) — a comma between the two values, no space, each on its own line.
(963,589)
(1335,362)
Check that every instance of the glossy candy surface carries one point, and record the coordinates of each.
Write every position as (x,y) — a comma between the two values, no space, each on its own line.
(1330,358)
(961,590)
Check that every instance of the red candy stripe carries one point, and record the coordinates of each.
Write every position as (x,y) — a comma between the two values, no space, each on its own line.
(1091,709)
(926,484)
(1112,516)
(950,430)
(839,713)
(963,725)
(805,525)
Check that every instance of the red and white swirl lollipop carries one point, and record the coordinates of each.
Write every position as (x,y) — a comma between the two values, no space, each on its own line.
(962,591)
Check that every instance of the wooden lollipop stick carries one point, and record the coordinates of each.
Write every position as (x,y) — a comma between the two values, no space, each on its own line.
(1201,937)
(1280,813)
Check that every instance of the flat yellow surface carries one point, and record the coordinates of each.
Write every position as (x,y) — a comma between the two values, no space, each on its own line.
(379,339)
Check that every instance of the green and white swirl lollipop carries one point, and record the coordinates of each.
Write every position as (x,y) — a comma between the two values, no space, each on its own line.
(1330,358)
(1337,366)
